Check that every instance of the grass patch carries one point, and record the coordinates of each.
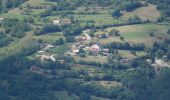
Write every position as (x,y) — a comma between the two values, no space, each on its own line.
(149,12)
(59,50)
(62,95)
(138,33)
(99,19)
(101,59)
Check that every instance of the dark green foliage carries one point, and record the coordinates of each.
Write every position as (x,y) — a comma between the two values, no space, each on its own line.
(77,3)
(125,46)
(70,39)
(130,6)
(60,41)
(114,32)
(151,34)
(72,31)
(168,31)
(15,28)
(160,86)
(134,20)
(7,4)
(4,39)
(116,13)
(50,28)
(161,49)
(139,81)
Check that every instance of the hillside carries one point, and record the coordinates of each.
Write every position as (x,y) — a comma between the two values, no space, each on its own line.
(84,50)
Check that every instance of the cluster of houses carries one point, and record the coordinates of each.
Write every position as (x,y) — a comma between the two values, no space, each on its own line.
(44,57)
(61,21)
(91,48)
(83,42)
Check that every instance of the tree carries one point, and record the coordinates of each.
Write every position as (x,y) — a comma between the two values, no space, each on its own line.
(160,86)
(70,39)
(114,32)
(151,34)
(60,41)
(85,96)
(116,13)
(130,6)
(168,31)
(122,38)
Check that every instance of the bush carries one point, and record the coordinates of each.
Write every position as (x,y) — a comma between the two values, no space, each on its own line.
(122,38)
(151,34)
(168,31)
(70,39)
(116,13)
(130,6)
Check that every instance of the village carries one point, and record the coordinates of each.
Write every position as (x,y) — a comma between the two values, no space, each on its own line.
(86,49)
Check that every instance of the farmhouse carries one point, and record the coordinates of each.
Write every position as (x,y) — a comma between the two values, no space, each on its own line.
(95,48)
(63,21)
(56,22)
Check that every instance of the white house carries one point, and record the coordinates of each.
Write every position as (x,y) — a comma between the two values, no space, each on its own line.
(1,19)
(56,22)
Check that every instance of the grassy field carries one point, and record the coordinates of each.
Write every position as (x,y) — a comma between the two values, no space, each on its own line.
(101,59)
(17,47)
(38,2)
(138,33)
(128,54)
(99,19)
(49,38)
(108,84)
(145,13)
(59,50)
(62,95)
(98,98)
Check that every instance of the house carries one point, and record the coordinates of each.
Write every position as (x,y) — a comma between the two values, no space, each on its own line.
(75,51)
(102,36)
(48,46)
(1,19)
(43,57)
(52,57)
(95,48)
(125,60)
(34,68)
(88,38)
(62,21)
(41,51)
(80,38)
(56,22)
(66,21)
(105,51)
(46,57)
(61,61)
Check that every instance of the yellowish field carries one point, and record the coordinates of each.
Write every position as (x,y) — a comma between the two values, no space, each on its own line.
(137,33)
(145,13)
